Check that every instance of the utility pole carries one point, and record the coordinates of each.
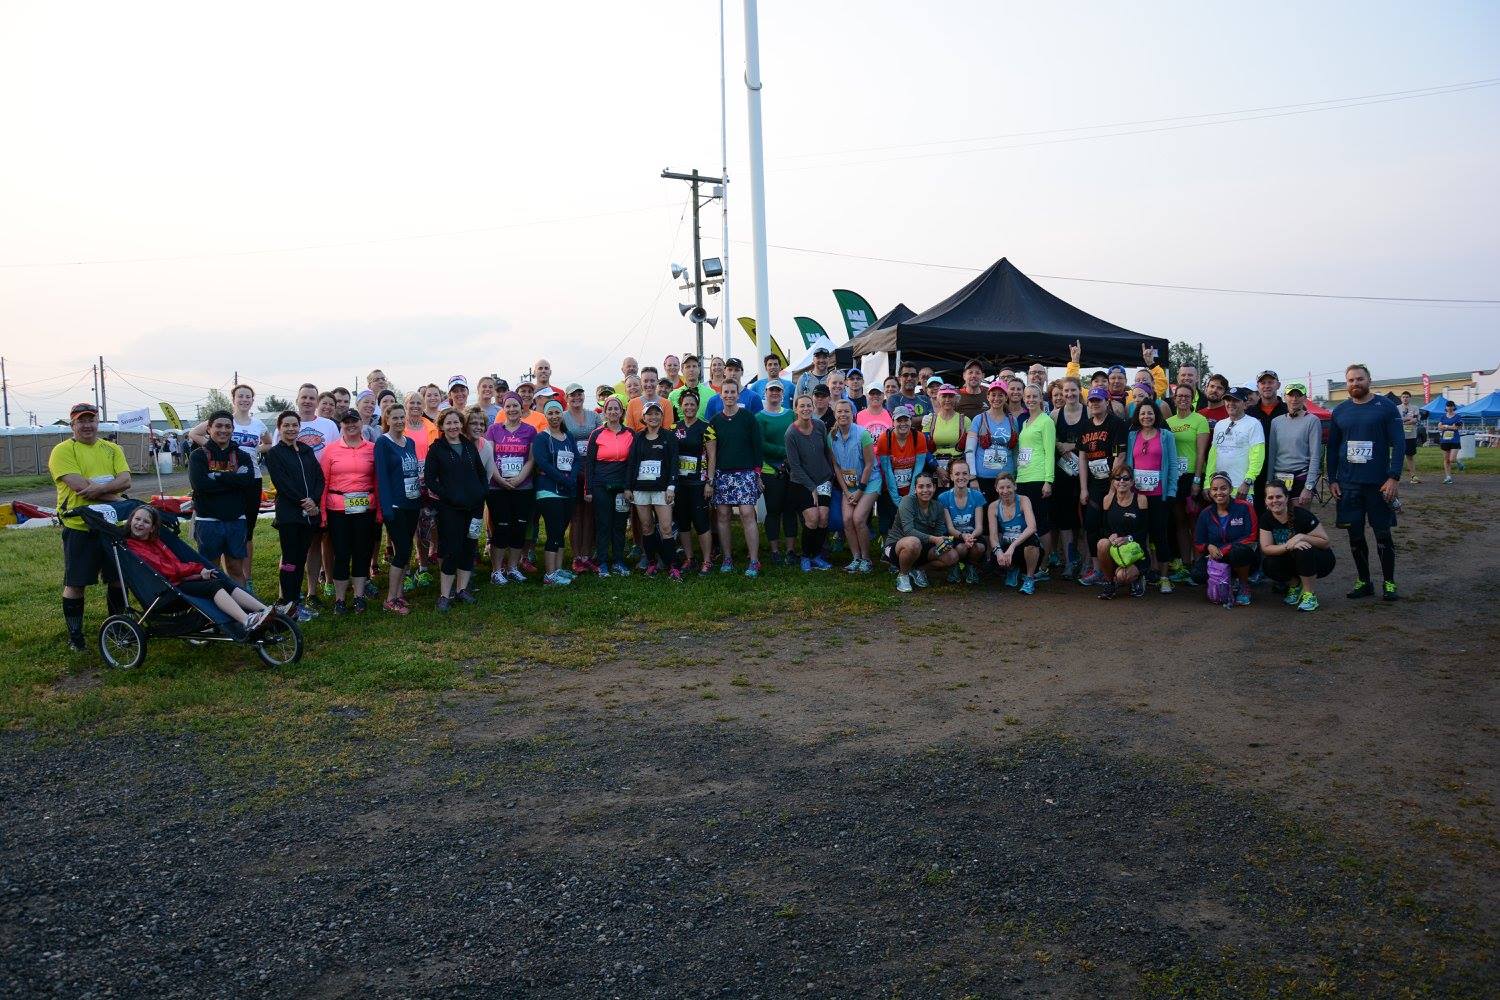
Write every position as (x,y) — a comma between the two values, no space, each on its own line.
(94,370)
(103,395)
(757,186)
(5,392)
(726,314)
(696,179)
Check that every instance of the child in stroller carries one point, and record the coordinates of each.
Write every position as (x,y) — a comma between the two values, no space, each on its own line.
(188,577)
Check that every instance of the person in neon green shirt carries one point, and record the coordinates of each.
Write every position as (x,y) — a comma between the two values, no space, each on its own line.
(1192,435)
(1036,465)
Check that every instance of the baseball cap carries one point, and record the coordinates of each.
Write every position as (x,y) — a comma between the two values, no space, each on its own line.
(947,390)
(775,384)
(649,407)
(457,380)
(1296,387)
(81,408)
(546,392)
(1242,394)
(853,372)
(735,363)
(605,388)
(935,380)
(996,383)
(1116,368)
(572,387)
(1268,373)
(526,382)
(821,390)
(875,390)
(902,411)
(1098,392)
(821,351)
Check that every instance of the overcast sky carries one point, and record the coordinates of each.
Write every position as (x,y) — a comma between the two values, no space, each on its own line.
(488,174)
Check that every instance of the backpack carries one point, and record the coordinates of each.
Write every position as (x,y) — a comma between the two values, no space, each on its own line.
(1219,590)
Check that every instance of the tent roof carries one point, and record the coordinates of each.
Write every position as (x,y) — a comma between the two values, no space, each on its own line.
(1486,407)
(1003,317)
(805,362)
(1436,406)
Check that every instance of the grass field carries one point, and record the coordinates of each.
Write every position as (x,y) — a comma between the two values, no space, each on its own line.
(1430,460)
(381,669)
(23,484)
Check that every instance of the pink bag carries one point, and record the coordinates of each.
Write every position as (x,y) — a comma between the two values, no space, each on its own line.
(1219,590)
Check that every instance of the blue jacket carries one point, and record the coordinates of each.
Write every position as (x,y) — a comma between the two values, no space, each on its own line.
(544,452)
(392,466)
(1168,460)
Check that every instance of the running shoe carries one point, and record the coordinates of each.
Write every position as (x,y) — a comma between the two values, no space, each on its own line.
(1293,596)
(1257,578)
(706,569)
(1107,592)
(76,643)
(371,590)
(865,566)
(919,577)
(499,577)
(1415,481)
(1447,480)
(621,569)
(675,574)
(516,574)
(359,605)
(1013,578)
(396,607)
(633,554)
(903,584)
(408,584)
(971,574)
(312,601)
(1362,588)
(726,566)
(1092,578)
(1241,596)
(305,614)
(1028,586)
(1068,571)
(527,566)
(1389,593)
(753,570)
(1180,574)
(467,596)
(1138,587)
(955,574)
(1053,559)
(642,564)
(603,572)
(1166,585)
(1309,602)
(579,565)
(255,620)
(1042,575)
(339,608)
(442,605)
(853,566)
(806,565)
(820,564)
(652,570)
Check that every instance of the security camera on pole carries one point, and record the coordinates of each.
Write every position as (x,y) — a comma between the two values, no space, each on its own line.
(706,273)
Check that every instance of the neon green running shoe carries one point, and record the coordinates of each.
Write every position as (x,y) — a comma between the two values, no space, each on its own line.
(1309,602)
(1293,596)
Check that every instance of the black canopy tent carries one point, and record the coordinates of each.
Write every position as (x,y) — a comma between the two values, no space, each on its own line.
(843,357)
(1004,318)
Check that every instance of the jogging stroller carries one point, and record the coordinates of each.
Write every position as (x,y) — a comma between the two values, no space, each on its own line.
(165,612)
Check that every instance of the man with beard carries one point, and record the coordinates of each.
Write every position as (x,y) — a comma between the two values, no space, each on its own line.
(1212,405)
(1365,450)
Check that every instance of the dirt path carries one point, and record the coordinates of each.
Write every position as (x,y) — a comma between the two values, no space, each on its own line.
(1042,797)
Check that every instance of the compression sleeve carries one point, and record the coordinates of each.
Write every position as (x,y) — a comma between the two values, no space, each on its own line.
(1257,461)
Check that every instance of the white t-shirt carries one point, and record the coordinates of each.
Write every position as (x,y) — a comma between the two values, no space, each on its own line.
(317,433)
(247,436)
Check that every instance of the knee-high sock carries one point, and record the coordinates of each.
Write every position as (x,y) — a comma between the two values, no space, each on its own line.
(1360,550)
(652,548)
(73,614)
(1385,548)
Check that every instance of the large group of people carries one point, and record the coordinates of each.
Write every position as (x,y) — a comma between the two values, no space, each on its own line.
(1117,480)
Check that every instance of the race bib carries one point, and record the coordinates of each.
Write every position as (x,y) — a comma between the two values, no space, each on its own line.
(1286,479)
(1099,468)
(903,479)
(996,456)
(824,490)
(650,469)
(620,505)
(356,503)
(583,447)
(510,465)
(475,526)
(1182,467)
(412,487)
(1010,534)
(105,511)
(850,480)
(565,461)
(101,480)
(1023,457)
(1068,463)
(687,465)
(1147,480)
(1359,452)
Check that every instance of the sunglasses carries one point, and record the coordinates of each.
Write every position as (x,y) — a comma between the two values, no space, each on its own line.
(1124,478)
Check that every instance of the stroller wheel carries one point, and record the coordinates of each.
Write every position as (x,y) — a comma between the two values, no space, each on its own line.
(280,641)
(122,643)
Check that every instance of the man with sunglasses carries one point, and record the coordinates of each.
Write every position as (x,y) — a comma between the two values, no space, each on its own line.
(920,404)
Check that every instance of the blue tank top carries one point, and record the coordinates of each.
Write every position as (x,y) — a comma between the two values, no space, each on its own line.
(1010,527)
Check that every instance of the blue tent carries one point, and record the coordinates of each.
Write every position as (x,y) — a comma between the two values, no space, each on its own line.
(1435,408)
(1485,408)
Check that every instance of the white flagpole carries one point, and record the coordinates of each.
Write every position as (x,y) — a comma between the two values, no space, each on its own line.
(757,187)
(726,314)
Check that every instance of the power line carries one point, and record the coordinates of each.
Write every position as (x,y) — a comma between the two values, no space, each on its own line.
(1398,299)
(335,246)
(1138,131)
(1415,92)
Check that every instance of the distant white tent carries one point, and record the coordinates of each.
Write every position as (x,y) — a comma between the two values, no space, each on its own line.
(805,362)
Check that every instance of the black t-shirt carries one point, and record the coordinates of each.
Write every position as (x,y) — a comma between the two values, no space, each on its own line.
(690,441)
(1101,443)
(1303,521)
(1127,519)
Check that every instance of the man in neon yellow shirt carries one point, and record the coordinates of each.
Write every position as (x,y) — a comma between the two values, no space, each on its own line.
(87,470)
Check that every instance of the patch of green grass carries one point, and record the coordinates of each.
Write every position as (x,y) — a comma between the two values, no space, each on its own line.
(1485,460)
(24,484)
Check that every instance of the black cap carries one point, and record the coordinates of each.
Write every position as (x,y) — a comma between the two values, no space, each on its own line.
(821,351)
(735,363)
(822,390)
(1242,394)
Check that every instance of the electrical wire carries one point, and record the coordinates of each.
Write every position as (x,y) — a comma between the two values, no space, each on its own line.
(340,245)
(1413,93)
(1393,299)
(1138,131)
(49,378)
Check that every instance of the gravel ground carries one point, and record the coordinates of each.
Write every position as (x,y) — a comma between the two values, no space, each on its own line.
(615,858)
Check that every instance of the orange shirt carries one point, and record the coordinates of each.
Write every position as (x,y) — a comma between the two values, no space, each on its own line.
(535,419)
(635,420)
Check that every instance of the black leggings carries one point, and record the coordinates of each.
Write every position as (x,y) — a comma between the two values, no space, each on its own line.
(690,508)
(781,518)
(1313,562)
(556,513)
(400,529)
(609,525)
(206,589)
(353,537)
(296,539)
(511,514)
(1041,507)
(453,538)
(1158,528)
